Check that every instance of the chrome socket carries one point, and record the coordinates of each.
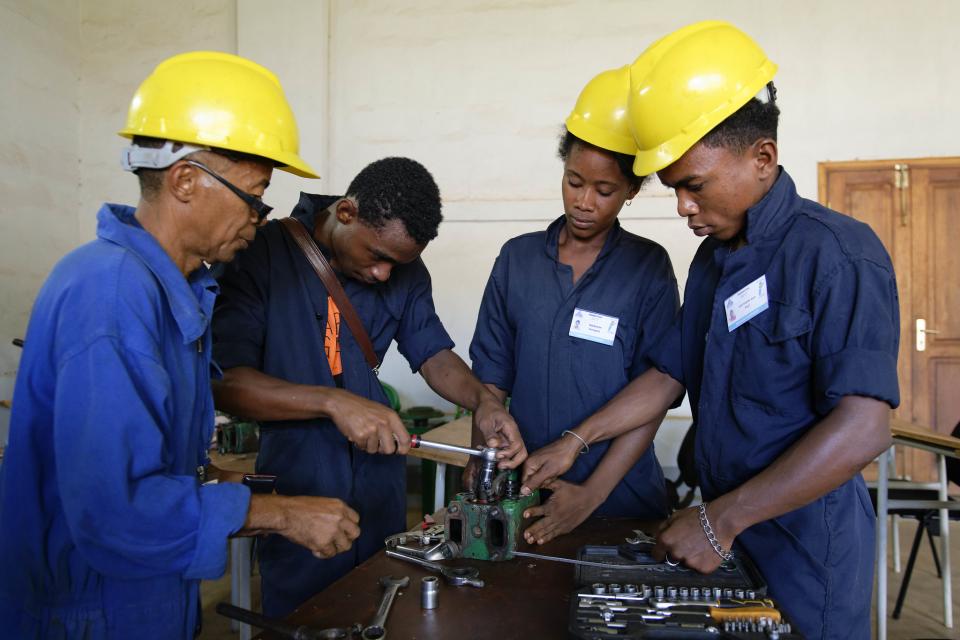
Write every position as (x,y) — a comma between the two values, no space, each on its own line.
(429,592)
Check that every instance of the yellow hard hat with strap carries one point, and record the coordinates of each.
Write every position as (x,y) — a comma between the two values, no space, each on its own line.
(218,100)
(600,115)
(687,83)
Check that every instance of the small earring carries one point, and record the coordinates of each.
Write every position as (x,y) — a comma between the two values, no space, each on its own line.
(629,202)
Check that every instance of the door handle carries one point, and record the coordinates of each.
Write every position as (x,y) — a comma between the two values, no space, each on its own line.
(922,332)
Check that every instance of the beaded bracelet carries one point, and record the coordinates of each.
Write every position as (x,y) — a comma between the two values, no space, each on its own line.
(726,556)
(585,448)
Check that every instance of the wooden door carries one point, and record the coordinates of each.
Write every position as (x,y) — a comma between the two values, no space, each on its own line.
(914,207)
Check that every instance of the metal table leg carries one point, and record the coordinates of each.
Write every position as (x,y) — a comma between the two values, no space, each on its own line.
(945,546)
(895,520)
(882,485)
(240,580)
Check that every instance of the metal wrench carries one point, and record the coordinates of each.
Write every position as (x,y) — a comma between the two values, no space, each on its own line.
(282,628)
(376,630)
(456,576)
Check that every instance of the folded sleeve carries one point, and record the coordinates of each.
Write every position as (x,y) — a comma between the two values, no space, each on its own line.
(239,318)
(856,335)
(666,352)
(129,513)
(420,334)
(492,350)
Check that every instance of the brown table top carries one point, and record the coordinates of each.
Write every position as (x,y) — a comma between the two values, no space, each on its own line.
(523,598)
(913,432)
(242,462)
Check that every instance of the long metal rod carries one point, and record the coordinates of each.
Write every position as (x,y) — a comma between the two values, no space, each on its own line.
(881,545)
(586,563)
(419,443)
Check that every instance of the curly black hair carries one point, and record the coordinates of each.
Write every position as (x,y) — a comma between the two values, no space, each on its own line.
(398,188)
(624,161)
(746,125)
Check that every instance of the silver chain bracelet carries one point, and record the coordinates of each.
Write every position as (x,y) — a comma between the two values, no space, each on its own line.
(726,556)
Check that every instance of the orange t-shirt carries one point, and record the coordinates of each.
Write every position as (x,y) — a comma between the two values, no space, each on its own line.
(331,339)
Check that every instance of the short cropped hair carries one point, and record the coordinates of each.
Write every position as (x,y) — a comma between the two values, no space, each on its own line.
(398,189)
(624,161)
(746,125)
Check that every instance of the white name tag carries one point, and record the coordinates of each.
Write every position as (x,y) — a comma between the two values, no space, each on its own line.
(746,303)
(595,327)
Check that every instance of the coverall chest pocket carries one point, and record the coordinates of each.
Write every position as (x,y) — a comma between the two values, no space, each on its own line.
(605,368)
(771,362)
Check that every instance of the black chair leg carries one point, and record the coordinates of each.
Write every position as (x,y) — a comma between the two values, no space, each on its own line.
(928,523)
(902,594)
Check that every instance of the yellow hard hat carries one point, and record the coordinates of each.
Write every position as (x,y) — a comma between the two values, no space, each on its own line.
(687,83)
(214,99)
(600,115)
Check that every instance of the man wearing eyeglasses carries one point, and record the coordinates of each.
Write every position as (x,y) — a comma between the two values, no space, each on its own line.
(106,523)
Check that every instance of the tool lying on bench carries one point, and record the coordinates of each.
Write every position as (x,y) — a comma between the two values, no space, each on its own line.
(376,630)
(623,592)
(455,576)
(284,629)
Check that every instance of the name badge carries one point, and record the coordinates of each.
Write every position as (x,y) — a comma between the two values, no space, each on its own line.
(746,303)
(594,327)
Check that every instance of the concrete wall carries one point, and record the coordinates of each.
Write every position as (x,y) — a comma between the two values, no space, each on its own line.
(39,121)
(122,42)
(474,89)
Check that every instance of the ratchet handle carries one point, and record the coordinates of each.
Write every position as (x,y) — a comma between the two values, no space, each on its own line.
(417,442)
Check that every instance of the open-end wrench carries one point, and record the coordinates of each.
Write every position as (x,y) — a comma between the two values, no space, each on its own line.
(376,629)
(456,576)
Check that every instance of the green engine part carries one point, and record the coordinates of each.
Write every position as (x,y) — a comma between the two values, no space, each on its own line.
(238,437)
(488,531)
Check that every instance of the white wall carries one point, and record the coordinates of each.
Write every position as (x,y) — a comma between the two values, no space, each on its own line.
(123,41)
(39,121)
(474,89)
(477,91)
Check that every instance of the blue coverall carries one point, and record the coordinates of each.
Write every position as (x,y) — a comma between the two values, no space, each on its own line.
(522,344)
(831,330)
(105,531)
(272,316)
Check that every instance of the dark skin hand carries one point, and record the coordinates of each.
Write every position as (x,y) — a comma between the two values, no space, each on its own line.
(833,451)
(570,504)
(325,526)
(373,427)
(638,406)
(451,378)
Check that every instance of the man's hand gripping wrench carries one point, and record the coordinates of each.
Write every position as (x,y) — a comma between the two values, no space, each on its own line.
(456,576)
(376,629)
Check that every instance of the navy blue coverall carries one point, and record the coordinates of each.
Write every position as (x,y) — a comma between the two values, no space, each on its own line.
(522,345)
(831,330)
(272,315)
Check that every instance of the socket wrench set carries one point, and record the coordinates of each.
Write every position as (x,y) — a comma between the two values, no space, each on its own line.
(622,592)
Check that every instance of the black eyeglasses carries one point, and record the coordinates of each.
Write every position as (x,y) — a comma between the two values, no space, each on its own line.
(254,202)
